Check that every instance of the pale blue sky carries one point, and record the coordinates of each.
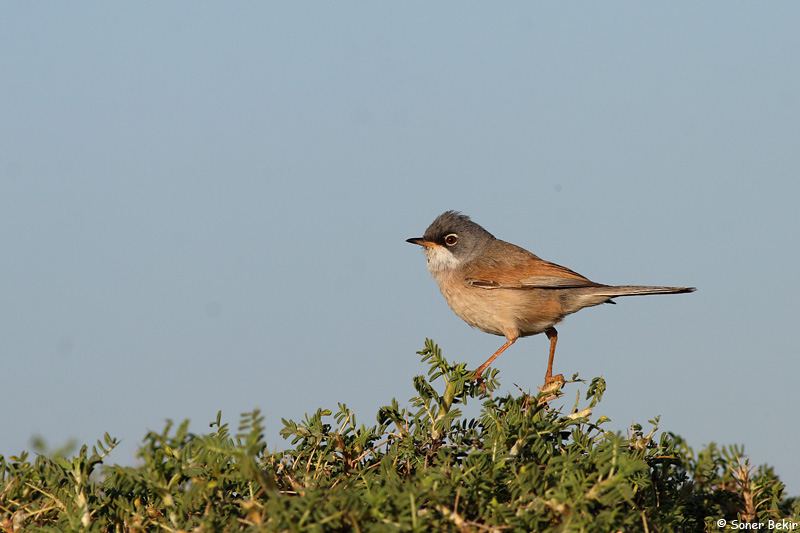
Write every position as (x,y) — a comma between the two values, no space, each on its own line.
(204,206)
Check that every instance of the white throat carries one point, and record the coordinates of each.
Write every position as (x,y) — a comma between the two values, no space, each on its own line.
(440,259)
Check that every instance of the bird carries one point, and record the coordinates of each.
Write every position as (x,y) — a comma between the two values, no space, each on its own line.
(503,289)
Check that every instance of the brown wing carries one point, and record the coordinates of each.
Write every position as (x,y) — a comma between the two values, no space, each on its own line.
(512,267)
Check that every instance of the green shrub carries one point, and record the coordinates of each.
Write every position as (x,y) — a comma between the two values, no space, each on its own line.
(522,465)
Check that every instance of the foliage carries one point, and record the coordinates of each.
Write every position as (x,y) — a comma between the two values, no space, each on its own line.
(522,465)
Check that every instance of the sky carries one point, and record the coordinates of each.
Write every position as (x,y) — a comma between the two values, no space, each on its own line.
(204,207)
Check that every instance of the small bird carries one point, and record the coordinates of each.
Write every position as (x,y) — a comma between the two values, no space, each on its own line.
(505,290)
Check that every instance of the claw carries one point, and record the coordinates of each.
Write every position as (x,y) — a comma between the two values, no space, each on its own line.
(553,383)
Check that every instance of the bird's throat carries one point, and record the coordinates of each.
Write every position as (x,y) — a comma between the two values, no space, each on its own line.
(440,259)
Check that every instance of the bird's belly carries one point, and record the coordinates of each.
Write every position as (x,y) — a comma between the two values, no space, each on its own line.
(502,311)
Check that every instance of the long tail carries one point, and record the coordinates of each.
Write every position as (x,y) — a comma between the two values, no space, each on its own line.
(604,294)
(633,290)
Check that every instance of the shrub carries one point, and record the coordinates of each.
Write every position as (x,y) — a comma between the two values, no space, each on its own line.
(522,465)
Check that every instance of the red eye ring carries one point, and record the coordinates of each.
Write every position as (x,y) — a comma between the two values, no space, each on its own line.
(451,239)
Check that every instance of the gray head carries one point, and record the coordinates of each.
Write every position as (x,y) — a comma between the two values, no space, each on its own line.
(451,240)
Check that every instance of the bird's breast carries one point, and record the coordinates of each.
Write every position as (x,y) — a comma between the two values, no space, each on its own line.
(500,311)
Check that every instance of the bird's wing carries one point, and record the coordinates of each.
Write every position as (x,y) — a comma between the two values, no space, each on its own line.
(522,271)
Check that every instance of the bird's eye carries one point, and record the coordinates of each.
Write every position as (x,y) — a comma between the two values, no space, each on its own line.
(451,239)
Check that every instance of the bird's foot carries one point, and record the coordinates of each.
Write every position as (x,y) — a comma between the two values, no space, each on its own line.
(553,383)
(479,381)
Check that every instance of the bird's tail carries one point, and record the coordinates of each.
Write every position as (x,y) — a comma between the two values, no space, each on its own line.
(604,293)
(632,290)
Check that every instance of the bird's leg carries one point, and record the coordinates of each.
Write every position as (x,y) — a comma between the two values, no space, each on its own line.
(549,378)
(477,375)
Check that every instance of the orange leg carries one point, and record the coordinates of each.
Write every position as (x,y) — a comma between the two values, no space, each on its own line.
(481,368)
(549,378)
